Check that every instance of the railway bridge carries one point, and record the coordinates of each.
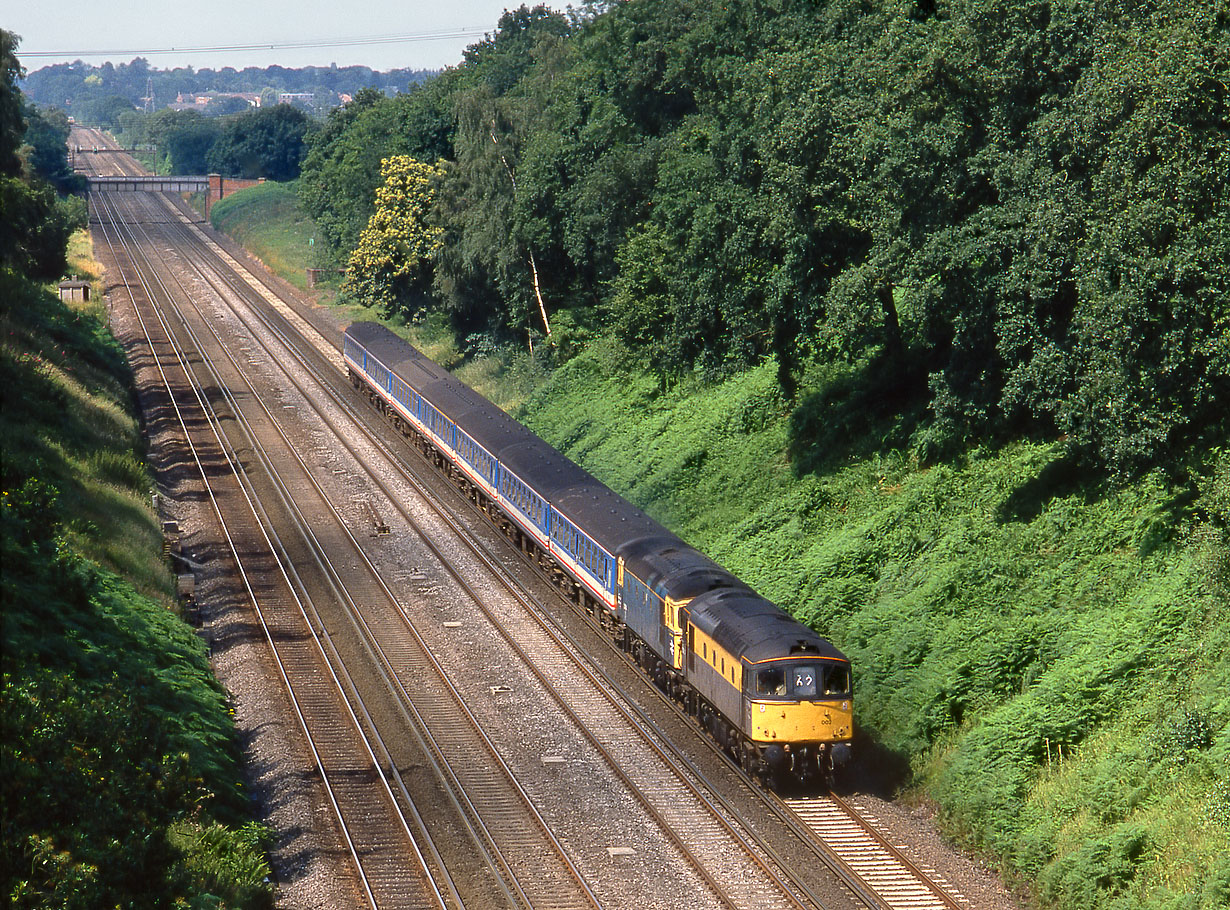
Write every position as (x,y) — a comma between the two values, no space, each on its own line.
(214,186)
(105,150)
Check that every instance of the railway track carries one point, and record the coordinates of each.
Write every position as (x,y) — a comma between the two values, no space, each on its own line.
(377,836)
(896,880)
(112,164)
(709,828)
(702,833)
(505,825)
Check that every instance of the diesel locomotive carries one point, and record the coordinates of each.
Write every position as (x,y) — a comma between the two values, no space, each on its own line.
(771,691)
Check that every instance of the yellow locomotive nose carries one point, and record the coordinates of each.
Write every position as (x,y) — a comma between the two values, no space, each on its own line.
(800,722)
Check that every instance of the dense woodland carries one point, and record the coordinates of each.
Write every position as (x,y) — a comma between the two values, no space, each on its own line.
(1012,216)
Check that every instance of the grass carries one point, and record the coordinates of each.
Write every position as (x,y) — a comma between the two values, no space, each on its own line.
(266,219)
(1042,654)
(116,735)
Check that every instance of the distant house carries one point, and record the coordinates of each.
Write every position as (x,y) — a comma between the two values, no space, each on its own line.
(292,97)
(198,102)
(184,102)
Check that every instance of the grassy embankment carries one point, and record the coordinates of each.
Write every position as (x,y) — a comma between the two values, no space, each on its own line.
(121,781)
(266,219)
(1043,654)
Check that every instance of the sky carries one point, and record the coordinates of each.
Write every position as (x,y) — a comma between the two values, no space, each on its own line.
(382,34)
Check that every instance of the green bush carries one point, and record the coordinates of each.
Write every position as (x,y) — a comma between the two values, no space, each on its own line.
(228,863)
(1104,867)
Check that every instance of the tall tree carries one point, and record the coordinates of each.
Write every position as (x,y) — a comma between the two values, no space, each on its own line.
(46,136)
(341,169)
(267,142)
(12,126)
(489,275)
(390,269)
(34,225)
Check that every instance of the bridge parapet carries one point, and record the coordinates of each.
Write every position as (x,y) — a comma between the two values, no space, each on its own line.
(148,184)
(220,187)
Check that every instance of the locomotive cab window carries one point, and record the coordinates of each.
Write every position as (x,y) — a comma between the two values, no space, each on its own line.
(771,682)
(837,682)
(803,682)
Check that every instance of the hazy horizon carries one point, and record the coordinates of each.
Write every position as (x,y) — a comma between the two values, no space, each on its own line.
(379,34)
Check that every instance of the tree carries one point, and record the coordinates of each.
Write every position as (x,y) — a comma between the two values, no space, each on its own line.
(34,225)
(104,112)
(391,266)
(188,144)
(504,59)
(341,169)
(484,274)
(46,137)
(1011,214)
(494,274)
(11,124)
(267,142)
(642,307)
(1150,329)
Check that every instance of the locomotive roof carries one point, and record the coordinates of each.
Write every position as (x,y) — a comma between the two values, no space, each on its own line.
(744,623)
(672,568)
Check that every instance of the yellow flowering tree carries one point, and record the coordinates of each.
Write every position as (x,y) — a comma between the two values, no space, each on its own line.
(391,267)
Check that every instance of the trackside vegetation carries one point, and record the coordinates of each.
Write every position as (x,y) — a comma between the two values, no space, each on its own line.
(267,220)
(121,781)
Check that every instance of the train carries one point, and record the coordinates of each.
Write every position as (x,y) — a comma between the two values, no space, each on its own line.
(774,695)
